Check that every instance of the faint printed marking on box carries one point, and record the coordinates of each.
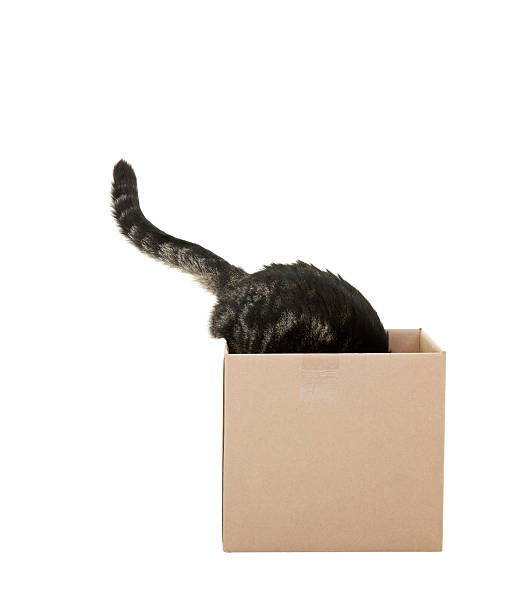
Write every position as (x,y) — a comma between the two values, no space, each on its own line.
(319,379)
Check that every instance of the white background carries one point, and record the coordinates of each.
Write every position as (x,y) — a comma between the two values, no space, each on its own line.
(379,139)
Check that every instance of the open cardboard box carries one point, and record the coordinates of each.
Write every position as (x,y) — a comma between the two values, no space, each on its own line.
(335,452)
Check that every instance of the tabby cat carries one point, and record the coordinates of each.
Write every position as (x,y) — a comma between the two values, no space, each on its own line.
(293,308)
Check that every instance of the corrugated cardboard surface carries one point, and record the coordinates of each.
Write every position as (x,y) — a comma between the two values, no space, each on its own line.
(338,452)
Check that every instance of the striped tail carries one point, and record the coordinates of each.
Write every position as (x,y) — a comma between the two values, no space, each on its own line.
(213,272)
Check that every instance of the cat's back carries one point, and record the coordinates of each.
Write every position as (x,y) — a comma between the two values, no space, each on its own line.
(296,287)
(287,308)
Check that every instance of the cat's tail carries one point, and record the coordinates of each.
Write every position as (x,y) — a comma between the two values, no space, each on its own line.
(213,272)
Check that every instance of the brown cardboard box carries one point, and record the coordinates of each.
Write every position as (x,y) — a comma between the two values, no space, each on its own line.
(335,452)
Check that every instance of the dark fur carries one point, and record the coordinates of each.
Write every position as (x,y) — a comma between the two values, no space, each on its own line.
(293,308)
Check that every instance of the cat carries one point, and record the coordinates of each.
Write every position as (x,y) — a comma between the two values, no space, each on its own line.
(283,308)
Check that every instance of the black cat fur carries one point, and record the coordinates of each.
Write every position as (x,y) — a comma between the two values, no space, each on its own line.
(283,308)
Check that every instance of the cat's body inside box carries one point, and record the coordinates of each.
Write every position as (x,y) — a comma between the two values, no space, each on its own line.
(335,452)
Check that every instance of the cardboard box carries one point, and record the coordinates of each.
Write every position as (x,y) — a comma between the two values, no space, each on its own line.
(335,452)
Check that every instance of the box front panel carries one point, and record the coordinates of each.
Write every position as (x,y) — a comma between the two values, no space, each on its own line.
(333,452)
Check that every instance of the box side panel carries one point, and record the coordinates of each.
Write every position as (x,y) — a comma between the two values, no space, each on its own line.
(443,366)
(404,340)
(427,344)
(340,452)
(223,444)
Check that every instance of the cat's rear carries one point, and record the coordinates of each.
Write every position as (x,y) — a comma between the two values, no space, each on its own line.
(297,308)
(293,308)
